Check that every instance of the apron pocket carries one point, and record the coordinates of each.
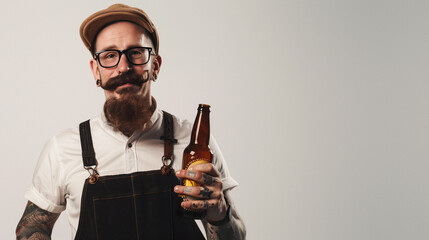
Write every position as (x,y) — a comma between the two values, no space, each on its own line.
(115,218)
(154,211)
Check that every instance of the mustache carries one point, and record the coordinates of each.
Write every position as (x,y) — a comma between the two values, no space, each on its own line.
(128,77)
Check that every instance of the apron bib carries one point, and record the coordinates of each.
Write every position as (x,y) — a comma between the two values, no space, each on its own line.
(140,205)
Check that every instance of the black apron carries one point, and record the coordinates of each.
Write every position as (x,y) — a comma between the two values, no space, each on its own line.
(140,205)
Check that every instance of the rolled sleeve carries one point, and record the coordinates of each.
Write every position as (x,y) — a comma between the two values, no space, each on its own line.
(37,198)
(47,190)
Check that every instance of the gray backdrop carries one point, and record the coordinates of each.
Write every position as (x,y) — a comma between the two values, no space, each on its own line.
(320,107)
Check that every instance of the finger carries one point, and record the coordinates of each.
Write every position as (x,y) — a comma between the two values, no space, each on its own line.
(207,168)
(200,177)
(188,174)
(201,192)
(200,204)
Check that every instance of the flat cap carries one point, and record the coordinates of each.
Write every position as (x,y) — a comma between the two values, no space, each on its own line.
(117,12)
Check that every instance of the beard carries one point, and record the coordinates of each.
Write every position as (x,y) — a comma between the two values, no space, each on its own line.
(130,111)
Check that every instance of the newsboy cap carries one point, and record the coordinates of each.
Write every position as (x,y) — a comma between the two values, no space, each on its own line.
(116,12)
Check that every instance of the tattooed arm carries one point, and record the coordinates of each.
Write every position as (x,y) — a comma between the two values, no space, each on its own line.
(36,223)
(233,229)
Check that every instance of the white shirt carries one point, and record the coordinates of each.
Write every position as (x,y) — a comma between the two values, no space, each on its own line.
(59,175)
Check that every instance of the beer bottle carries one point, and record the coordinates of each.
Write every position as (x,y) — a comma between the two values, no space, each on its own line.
(198,151)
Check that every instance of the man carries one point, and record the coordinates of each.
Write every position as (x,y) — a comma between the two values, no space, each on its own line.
(106,172)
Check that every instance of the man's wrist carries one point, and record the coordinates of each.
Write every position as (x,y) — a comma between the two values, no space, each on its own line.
(226,219)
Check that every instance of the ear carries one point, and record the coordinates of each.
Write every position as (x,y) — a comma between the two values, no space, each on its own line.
(156,64)
(94,68)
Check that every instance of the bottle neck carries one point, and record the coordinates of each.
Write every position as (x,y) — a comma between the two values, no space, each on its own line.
(201,130)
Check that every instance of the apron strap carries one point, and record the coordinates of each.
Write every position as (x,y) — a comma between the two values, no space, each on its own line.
(169,141)
(88,153)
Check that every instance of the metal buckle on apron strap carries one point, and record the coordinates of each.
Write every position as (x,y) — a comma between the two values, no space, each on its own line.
(93,174)
(166,168)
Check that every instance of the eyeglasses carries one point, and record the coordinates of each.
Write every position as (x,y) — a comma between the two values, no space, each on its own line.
(135,55)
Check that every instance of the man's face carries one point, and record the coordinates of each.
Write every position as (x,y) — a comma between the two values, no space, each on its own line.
(122,36)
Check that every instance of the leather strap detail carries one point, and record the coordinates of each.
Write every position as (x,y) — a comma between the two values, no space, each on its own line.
(88,153)
(169,141)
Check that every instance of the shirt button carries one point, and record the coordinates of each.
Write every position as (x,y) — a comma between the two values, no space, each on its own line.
(130,145)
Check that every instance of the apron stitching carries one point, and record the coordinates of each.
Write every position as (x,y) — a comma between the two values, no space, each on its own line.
(135,207)
(95,219)
(123,196)
(171,219)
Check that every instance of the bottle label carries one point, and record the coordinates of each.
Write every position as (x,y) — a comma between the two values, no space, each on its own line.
(191,183)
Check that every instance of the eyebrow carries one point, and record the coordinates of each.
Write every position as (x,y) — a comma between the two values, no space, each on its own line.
(110,47)
(114,47)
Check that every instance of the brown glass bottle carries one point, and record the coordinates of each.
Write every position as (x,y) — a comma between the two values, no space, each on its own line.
(198,151)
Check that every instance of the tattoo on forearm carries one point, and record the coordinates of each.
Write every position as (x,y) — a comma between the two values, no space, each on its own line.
(211,232)
(220,232)
(205,192)
(36,223)
(233,229)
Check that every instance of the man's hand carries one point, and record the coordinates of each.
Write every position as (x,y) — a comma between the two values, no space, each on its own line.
(208,196)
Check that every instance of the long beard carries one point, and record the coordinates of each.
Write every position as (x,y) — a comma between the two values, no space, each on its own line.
(129,112)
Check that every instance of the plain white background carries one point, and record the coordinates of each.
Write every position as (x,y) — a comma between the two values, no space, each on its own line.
(321,108)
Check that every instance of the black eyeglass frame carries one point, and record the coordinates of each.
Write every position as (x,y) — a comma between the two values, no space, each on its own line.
(97,55)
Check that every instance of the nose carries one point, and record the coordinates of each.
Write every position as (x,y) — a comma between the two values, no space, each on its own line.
(123,65)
